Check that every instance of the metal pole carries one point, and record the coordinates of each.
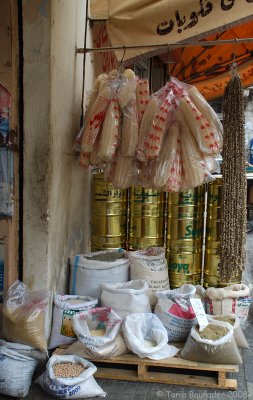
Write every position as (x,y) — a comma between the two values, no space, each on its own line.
(203,43)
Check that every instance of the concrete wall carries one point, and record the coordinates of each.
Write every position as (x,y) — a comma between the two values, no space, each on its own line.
(56,189)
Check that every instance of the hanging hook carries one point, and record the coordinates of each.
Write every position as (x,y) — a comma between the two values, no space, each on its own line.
(121,61)
(236,47)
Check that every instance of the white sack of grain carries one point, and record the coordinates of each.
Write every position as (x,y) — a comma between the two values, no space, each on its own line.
(83,386)
(146,336)
(175,311)
(234,299)
(16,372)
(99,331)
(126,298)
(233,320)
(65,306)
(88,271)
(222,350)
(151,266)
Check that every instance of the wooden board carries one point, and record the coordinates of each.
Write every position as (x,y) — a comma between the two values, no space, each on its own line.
(174,371)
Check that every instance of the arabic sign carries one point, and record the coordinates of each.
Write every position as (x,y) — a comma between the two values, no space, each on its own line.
(140,22)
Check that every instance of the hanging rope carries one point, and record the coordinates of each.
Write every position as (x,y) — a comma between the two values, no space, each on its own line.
(234,189)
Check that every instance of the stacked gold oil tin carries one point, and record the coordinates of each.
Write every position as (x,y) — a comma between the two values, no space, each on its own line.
(109,215)
(146,218)
(185,236)
(212,259)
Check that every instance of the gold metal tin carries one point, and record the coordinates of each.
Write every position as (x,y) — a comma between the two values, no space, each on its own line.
(109,215)
(147,218)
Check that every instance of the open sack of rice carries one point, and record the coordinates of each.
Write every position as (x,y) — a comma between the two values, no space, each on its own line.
(99,334)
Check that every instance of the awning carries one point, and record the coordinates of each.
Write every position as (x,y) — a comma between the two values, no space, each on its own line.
(141,22)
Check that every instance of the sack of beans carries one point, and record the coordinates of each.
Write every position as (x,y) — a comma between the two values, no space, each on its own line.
(99,334)
(146,336)
(65,306)
(88,271)
(16,372)
(234,299)
(151,266)
(233,320)
(214,344)
(70,377)
(175,311)
(126,298)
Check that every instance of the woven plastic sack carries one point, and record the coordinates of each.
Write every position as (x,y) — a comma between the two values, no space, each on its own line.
(89,271)
(103,321)
(83,386)
(234,299)
(25,350)
(221,351)
(24,316)
(126,298)
(175,311)
(151,266)
(65,306)
(238,333)
(16,371)
(142,329)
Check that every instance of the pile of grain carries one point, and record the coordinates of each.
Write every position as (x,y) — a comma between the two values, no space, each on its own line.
(97,332)
(213,332)
(225,318)
(150,343)
(67,370)
(111,256)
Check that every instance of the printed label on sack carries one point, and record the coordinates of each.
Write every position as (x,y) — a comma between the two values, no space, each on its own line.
(66,327)
(199,312)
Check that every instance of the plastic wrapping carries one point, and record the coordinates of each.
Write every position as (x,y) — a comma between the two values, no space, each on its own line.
(110,134)
(130,123)
(221,351)
(65,307)
(195,172)
(90,102)
(126,298)
(166,172)
(199,127)
(142,97)
(110,344)
(83,386)
(138,328)
(168,140)
(125,172)
(24,316)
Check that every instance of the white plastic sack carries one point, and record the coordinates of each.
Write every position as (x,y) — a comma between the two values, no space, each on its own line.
(221,351)
(142,329)
(126,298)
(87,272)
(175,311)
(16,371)
(83,386)
(25,350)
(238,333)
(65,306)
(234,299)
(85,325)
(151,266)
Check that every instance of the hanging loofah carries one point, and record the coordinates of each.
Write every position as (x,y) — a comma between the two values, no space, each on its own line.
(234,190)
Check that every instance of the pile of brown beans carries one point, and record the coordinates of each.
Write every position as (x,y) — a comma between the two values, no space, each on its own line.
(67,370)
